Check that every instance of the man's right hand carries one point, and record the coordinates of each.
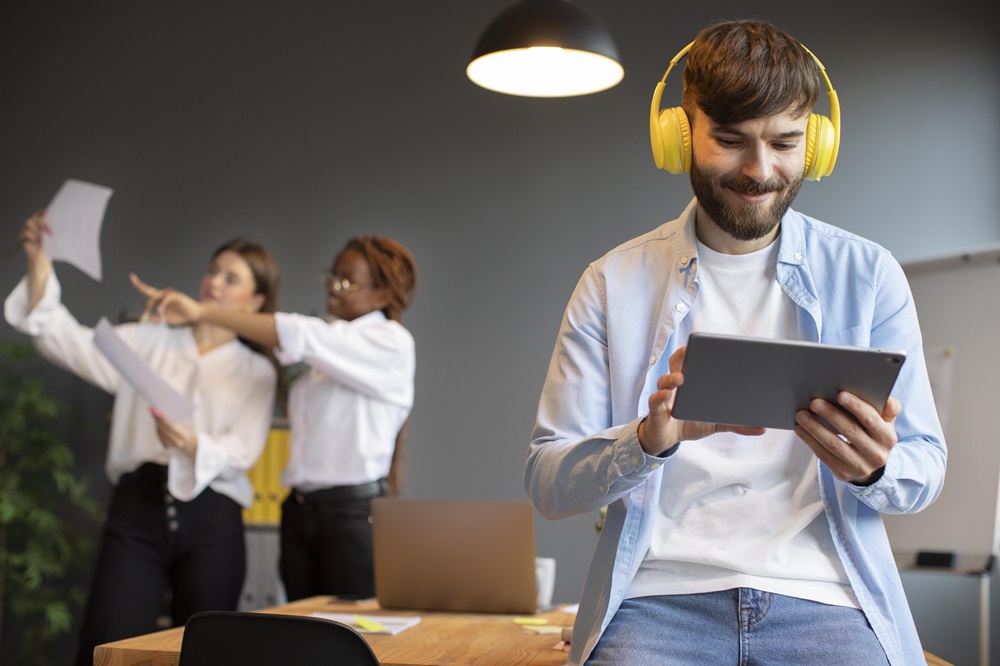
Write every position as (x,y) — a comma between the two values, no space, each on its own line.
(660,430)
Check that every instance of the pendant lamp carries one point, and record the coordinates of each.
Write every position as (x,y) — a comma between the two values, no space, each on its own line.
(545,48)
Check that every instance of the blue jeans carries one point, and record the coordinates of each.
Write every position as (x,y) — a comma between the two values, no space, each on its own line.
(741,626)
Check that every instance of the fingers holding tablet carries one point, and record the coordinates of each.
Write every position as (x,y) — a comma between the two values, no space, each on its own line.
(851,437)
(660,430)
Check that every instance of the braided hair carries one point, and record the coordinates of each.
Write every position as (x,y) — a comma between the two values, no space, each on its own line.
(393,269)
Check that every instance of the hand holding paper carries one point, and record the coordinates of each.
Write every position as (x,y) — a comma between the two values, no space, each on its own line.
(174,435)
(32,237)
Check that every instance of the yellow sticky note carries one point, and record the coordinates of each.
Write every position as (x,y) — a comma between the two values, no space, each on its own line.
(368,625)
(530,620)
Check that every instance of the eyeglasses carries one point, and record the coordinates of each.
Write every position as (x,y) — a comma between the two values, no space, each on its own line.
(338,284)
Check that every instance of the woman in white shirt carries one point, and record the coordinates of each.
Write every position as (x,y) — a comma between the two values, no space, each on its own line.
(346,413)
(175,520)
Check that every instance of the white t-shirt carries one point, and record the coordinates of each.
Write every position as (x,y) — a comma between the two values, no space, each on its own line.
(345,412)
(738,511)
(232,388)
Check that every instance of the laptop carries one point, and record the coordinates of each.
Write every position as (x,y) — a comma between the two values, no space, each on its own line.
(454,555)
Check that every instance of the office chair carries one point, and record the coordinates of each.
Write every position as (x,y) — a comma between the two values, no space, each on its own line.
(216,638)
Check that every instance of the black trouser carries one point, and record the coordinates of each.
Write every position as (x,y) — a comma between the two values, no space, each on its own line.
(152,543)
(326,542)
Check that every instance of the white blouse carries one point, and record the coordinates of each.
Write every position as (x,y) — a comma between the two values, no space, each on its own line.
(231,386)
(345,412)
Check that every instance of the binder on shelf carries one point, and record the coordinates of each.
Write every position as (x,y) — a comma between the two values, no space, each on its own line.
(266,479)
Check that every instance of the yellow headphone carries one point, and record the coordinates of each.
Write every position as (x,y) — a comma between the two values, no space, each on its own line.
(670,132)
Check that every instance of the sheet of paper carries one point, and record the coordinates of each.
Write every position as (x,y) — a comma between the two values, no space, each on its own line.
(391,624)
(150,385)
(75,217)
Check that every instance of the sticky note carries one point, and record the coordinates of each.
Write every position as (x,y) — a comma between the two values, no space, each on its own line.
(368,625)
(530,620)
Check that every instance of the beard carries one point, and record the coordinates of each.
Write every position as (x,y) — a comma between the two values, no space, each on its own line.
(743,221)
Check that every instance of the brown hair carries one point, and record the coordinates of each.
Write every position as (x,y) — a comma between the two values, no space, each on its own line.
(392,268)
(745,69)
(266,278)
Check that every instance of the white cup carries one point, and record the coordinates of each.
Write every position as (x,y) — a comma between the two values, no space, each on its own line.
(545,580)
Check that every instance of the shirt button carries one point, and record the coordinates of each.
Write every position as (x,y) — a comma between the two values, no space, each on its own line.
(652,360)
(601,488)
(798,256)
(171,511)
(168,498)
(634,460)
(173,525)
(684,261)
(655,465)
(680,307)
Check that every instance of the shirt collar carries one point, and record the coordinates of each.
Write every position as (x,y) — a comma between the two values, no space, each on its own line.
(792,248)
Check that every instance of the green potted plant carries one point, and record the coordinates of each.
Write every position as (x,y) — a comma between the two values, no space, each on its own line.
(47,516)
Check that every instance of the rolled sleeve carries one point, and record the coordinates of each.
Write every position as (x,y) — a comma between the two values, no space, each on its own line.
(58,336)
(291,338)
(15,307)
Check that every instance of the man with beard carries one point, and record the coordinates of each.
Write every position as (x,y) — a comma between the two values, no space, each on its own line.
(726,544)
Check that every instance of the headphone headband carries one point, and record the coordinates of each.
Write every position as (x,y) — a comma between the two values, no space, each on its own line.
(677,58)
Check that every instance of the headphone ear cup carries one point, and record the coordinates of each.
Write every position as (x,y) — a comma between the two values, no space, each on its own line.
(670,134)
(821,146)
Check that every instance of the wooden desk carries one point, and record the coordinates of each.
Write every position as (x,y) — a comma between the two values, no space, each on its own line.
(441,639)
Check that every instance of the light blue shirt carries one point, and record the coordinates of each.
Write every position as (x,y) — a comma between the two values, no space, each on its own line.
(616,335)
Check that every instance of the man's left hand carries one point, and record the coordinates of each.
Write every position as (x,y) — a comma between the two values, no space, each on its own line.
(856,439)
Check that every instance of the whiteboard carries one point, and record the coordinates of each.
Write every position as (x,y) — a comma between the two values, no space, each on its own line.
(958,305)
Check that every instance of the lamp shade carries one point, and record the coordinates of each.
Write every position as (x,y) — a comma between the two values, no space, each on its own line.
(545,48)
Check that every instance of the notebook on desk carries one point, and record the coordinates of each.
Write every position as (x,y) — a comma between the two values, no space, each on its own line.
(454,555)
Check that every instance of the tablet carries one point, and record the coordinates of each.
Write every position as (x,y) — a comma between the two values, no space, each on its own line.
(763,382)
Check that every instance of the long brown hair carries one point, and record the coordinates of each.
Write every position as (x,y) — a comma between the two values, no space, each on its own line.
(266,278)
(393,269)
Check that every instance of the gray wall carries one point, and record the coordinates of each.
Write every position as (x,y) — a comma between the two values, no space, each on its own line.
(300,124)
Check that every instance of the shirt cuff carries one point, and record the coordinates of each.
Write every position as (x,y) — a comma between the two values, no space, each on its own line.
(877,494)
(15,307)
(290,339)
(631,459)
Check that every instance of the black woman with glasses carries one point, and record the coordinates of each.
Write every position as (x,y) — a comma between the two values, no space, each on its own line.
(346,414)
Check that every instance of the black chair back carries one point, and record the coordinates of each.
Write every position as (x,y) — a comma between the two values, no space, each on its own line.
(217,638)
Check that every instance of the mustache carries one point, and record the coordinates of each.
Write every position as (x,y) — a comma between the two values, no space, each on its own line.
(748,185)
